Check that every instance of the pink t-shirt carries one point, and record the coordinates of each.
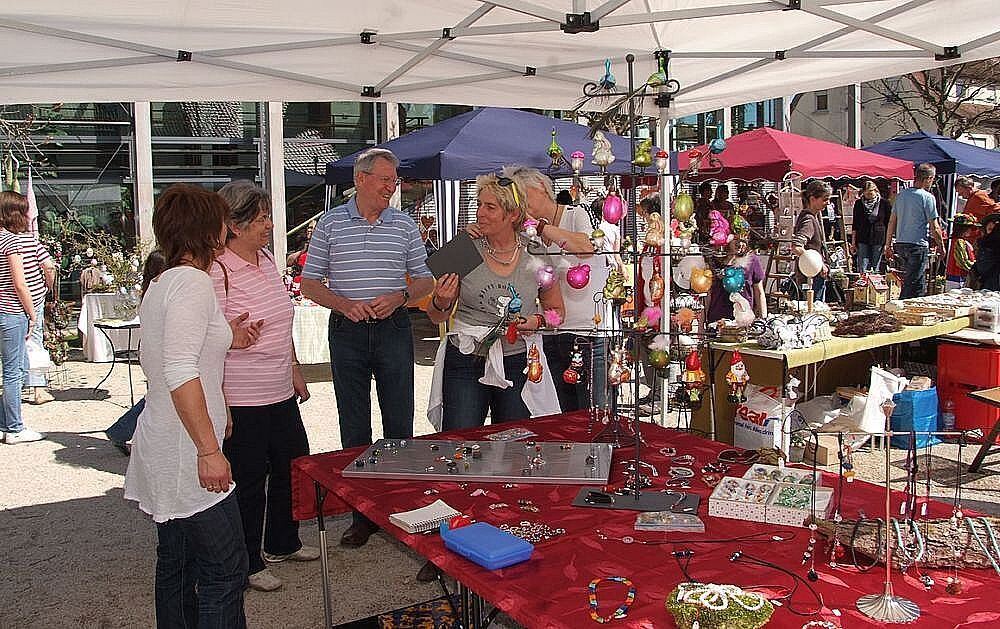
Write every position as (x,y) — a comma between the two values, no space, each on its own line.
(262,373)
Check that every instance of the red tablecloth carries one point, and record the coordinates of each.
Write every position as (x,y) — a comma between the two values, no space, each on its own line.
(550,590)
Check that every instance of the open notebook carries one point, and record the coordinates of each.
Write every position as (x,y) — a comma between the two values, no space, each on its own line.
(425,518)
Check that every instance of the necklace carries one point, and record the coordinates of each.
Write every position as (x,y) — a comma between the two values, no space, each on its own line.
(910,554)
(492,252)
(878,542)
(621,611)
(993,546)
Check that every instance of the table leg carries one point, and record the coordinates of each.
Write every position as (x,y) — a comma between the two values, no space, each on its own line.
(324,560)
(988,444)
(114,359)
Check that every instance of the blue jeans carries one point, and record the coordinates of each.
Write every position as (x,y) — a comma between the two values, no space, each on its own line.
(361,351)
(35,379)
(122,430)
(869,257)
(574,397)
(13,330)
(466,400)
(201,570)
(912,260)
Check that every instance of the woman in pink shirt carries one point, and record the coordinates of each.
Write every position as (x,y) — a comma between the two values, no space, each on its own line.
(262,385)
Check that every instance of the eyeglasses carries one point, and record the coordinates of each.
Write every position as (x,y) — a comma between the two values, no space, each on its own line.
(384,180)
(507,181)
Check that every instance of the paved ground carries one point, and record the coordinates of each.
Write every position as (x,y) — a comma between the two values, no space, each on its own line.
(76,554)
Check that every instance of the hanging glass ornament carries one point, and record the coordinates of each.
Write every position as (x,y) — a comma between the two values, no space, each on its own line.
(644,153)
(693,378)
(683,206)
(613,208)
(555,151)
(546,277)
(578,276)
(614,287)
(733,279)
(534,367)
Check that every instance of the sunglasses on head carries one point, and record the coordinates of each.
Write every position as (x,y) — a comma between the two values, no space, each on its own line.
(507,181)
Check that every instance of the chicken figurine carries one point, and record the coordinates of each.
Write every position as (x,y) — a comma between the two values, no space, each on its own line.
(618,369)
(737,378)
(719,232)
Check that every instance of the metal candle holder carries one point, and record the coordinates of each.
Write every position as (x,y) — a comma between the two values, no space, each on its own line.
(886,606)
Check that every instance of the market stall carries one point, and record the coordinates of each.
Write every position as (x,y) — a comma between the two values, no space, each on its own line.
(551,588)
(770,154)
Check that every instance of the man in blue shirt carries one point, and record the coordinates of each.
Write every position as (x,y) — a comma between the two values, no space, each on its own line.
(364,250)
(913,214)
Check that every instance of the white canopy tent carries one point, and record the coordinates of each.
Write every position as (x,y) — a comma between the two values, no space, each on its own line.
(521,53)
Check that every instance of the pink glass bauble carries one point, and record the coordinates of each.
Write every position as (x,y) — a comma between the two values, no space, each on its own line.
(613,209)
(578,276)
(546,277)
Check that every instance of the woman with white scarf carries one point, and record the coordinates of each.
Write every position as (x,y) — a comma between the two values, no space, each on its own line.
(871,217)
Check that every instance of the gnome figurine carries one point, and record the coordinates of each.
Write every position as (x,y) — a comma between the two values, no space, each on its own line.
(737,378)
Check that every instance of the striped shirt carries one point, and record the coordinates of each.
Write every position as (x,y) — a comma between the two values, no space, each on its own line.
(362,260)
(33,255)
(262,373)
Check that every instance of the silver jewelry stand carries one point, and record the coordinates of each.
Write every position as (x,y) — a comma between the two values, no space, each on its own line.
(887,607)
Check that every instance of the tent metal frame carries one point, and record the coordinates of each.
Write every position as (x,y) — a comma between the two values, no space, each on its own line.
(607,15)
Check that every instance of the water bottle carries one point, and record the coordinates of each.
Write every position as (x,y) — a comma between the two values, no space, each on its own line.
(948,415)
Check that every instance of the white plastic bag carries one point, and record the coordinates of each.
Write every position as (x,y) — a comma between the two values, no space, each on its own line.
(38,356)
(759,418)
(883,386)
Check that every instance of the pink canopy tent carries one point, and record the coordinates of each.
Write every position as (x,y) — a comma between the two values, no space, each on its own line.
(770,154)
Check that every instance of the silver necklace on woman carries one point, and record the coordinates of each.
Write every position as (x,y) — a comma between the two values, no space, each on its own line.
(492,252)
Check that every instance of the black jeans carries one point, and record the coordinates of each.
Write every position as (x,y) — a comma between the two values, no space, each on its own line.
(265,439)
(912,259)
(572,397)
(466,400)
(201,570)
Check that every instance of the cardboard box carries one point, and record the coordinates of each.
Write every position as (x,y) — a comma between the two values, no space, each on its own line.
(776,513)
(781,474)
(826,454)
(721,506)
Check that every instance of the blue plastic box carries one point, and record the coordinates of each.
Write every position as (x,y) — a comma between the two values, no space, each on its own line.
(917,411)
(486,545)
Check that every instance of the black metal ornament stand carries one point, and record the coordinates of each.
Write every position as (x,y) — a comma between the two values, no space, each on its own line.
(619,426)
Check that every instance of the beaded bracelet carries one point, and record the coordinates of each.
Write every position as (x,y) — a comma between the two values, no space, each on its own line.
(621,611)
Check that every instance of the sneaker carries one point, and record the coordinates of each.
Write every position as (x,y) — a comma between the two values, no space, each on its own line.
(264,581)
(41,396)
(306,553)
(25,436)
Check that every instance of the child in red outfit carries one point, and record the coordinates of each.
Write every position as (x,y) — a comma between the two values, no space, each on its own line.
(963,254)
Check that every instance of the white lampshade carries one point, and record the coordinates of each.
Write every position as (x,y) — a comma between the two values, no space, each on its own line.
(811,263)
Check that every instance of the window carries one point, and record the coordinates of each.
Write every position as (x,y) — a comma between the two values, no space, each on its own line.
(822,100)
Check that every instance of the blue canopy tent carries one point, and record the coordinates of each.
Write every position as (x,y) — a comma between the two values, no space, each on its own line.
(482,141)
(949,156)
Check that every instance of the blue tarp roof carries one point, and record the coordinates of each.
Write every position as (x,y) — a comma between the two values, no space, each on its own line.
(947,155)
(482,141)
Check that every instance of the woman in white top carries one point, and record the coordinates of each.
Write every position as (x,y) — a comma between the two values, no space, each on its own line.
(177,471)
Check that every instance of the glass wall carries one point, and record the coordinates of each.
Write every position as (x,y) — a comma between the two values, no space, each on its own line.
(696,129)
(79,155)
(755,115)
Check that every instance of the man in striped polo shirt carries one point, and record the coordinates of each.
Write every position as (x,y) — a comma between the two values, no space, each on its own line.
(364,249)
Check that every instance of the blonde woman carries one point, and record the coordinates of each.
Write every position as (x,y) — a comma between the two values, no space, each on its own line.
(481,304)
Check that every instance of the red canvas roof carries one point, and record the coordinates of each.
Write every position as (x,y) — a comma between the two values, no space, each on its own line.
(770,154)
